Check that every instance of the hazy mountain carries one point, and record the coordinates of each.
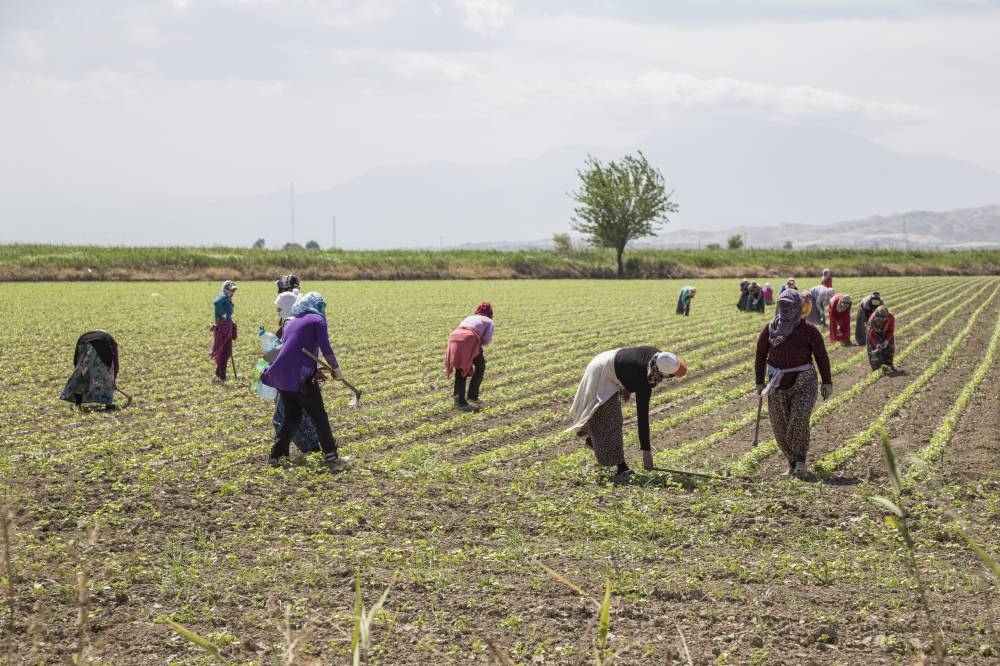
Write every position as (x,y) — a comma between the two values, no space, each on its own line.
(722,178)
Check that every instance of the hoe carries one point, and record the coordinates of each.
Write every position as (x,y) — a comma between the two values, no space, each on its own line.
(356,400)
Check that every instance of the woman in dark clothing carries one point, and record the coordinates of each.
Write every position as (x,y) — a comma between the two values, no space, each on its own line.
(868,305)
(785,349)
(611,377)
(755,298)
(881,339)
(95,372)
(741,304)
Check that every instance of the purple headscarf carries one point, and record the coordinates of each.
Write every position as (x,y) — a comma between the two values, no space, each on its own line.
(787,317)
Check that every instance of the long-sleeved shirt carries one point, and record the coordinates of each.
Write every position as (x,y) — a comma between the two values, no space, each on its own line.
(291,369)
(801,347)
(840,321)
(223,308)
(632,370)
(482,325)
(887,334)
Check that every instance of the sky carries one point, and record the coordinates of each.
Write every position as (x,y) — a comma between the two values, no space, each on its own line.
(198,100)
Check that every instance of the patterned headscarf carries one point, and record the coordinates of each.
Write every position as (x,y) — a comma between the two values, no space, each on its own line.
(880,317)
(845,302)
(485,309)
(228,287)
(787,318)
(311,303)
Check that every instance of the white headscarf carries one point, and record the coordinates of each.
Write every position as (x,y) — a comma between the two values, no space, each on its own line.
(667,363)
(285,301)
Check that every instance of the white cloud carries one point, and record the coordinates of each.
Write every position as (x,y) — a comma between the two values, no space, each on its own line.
(485,17)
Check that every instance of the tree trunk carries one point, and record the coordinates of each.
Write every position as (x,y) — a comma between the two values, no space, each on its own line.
(621,266)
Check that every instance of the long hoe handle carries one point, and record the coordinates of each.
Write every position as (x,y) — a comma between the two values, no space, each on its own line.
(756,430)
(128,398)
(357,393)
(235,376)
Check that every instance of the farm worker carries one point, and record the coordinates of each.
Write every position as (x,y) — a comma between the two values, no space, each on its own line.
(294,374)
(464,355)
(305,437)
(866,308)
(768,294)
(224,329)
(821,301)
(597,408)
(881,338)
(840,319)
(826,279)
(789,284)
(786,348)
(807,303)
(288,283)
(741,304)
(684,300)
(95,372)
(755,298)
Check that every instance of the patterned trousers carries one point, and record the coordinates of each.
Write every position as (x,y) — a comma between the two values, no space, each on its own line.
(789,411)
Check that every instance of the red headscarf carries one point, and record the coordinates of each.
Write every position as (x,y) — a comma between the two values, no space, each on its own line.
(485,309)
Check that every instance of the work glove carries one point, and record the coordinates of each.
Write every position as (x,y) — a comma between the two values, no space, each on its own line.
(760,388)
(826,390)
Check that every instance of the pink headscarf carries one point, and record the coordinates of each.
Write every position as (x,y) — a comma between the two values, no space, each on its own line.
(485,309)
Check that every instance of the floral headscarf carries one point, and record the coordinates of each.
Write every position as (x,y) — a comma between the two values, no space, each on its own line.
(311,303)
(787,318)
(880,317)
(485,309)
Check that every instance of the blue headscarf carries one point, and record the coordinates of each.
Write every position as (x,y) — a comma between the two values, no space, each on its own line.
(311,303)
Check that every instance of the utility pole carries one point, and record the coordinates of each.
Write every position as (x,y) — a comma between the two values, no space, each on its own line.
(334,246)
(906,241)
(291,202)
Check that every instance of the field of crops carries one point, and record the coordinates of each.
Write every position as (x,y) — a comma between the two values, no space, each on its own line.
(492,537)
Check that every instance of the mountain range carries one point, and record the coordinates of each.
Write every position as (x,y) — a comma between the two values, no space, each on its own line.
(758,179)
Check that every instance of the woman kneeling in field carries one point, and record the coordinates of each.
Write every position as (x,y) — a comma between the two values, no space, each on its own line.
(294,374)
(597,408)
(95,372)
(786,347)
(464,355)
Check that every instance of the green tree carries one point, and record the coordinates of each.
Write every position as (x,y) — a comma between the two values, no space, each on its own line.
(563,243)
(734,242)
(259,244)
(620,202)
(312,245)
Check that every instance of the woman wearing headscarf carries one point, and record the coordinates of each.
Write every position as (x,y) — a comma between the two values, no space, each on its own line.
(305,437)
(768,294)
(866,308)
(826,279)
(755,298)
(95,371)
(840,319)
(786,348)
(821,301)
(464,355)
(684,300)
(789,284)
(294,374)
(881,339)
(741,304)
(611,377)
(224,330)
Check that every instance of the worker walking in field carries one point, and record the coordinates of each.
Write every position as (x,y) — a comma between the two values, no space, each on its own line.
(224,330)
(295,376)
(464,356)
(881,340)
(839,315)
(786,348)
(95,371)
(611,377)
(684,300)
(305,437)
(866,308)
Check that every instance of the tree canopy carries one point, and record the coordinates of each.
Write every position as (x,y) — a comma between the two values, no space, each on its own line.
(620,202)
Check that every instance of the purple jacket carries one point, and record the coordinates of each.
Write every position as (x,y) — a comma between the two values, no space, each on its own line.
(291,369)
(482,325)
